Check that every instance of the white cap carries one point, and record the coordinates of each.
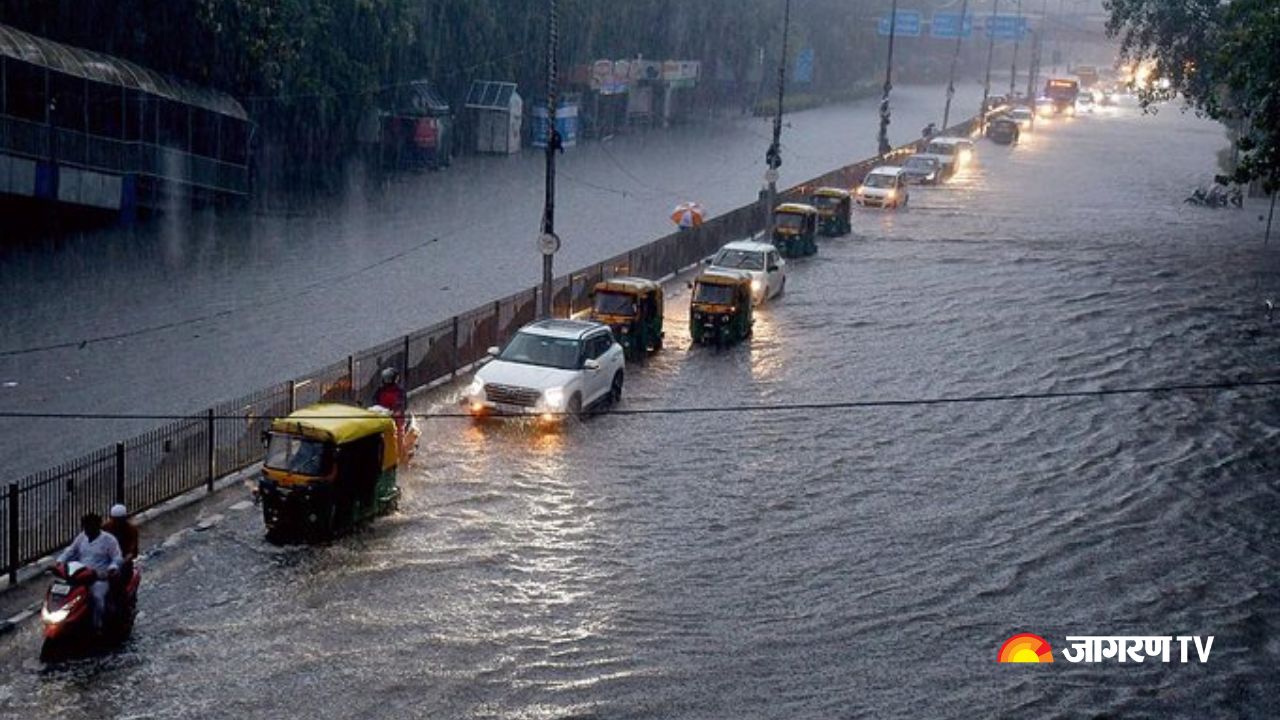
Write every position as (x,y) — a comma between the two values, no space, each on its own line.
(119,511)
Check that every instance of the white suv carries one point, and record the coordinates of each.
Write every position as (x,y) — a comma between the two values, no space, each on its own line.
(549,368)
(761,261)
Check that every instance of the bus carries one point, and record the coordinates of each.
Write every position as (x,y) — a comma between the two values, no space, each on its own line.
(1062,92)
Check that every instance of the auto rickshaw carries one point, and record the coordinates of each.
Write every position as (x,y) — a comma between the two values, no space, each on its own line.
(834,208)
(795,229)
(632,307)
(720,310)
(328,467)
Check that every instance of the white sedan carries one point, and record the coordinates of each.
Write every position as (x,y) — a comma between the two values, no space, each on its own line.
(761,261)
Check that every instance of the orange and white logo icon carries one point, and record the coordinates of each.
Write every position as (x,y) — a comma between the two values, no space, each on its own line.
(1025,648)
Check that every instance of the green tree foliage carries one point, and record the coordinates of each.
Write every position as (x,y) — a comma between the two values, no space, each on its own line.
(309,69)
(1223,58)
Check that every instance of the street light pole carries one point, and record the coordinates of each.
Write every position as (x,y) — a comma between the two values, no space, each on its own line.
(1017,40)
(773,156)
(548,242)
(885,147)
(951,81)
(986,84)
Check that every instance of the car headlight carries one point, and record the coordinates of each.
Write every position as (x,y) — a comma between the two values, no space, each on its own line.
(756,285)
(890,194)
(554,398)
(862,189)
(476,388)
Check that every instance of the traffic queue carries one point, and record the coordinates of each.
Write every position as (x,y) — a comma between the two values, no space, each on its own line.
(328,468)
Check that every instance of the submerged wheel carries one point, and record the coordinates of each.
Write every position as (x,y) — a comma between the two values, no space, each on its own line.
(615,389)
(574,409)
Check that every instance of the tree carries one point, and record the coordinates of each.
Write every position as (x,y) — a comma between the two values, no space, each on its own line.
(1222,58)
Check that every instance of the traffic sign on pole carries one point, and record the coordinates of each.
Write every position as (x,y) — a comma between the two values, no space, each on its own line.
(947,25)
(908,24)
(1006,27)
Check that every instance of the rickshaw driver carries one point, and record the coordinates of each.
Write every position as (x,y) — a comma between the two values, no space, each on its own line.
(99,551)
(391,395)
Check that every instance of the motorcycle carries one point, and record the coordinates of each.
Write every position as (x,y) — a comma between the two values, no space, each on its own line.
(67,613)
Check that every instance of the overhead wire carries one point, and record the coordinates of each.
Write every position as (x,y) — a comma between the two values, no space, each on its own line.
(815,406)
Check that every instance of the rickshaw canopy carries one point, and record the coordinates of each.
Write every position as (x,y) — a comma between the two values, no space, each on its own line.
(335,423)
(628,285)
(832,192)
(796,209)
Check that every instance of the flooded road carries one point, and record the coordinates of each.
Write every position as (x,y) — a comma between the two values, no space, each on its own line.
(295,292)
(844,563)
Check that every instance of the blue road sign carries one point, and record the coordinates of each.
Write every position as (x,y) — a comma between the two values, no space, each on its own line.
(804,66)
(908,24)
(1006,27)
(947,25)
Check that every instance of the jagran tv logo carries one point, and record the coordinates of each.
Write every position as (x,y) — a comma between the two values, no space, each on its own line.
(1031,648)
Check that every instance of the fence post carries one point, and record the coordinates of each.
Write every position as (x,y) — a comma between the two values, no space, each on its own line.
(293,395)
(13,533)
(212,458)
(453,361)
(351,379)
(120,473)
(404,369)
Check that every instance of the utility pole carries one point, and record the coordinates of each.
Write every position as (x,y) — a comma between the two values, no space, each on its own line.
(548,242)
(951,80)
(885,147)
(986,84)
(1017,40)
(773,157)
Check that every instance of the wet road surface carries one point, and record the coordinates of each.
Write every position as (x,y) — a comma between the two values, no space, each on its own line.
(295,291)
(862,563)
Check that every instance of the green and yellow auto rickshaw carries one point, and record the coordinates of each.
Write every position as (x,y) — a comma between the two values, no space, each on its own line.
(795,229)
(720,310)
(633,308)
(835,206)
(328,467)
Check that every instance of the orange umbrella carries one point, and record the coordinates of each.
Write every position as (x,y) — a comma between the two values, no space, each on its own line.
(688,214)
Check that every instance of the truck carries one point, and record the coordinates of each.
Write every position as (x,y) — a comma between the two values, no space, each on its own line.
(1087,75)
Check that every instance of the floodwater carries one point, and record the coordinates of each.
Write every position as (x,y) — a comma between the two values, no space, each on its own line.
(248,302)
(811,564)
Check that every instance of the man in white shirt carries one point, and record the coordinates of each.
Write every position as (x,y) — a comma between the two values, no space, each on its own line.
(100,551)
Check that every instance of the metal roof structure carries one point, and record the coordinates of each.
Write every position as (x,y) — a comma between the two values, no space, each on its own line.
(490,95)
(103,68)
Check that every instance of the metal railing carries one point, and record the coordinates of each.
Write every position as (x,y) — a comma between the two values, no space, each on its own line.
(41,512)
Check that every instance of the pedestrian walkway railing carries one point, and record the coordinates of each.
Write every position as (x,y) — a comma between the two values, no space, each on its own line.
(42,511)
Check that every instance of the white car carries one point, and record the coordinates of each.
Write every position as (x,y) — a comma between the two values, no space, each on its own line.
(761,261)
(549,368)
(953,153)
(884,186)
(1023,115)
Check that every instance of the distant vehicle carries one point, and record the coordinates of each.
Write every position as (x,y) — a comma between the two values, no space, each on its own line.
(1003,130)
(995,101)
(834,206)
(632,308)
(767,269)
(1087,75)
(922,170)
(884,186)
(1062,92)
(1022,115)
(795,229)
(720,309)
(952,153)
(550,369)
(1085,101)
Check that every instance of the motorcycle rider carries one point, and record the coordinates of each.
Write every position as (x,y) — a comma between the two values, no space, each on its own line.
(125,532)
(391,395)
(99,551)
